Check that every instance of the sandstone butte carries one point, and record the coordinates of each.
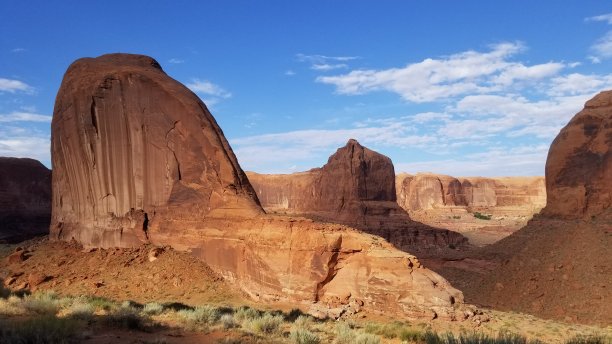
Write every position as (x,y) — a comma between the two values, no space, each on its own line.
(138,158)
(559,265)
(25,199)
(355,188)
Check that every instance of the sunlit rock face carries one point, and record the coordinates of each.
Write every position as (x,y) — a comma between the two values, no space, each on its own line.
(138,158)
(579,164)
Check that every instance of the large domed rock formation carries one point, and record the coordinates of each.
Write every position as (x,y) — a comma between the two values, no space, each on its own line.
(579,164)
(128,143)
(138,158)
(25,199)
(356,188)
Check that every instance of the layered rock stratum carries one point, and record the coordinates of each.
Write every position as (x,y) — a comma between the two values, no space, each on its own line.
(25,199)
(138,158)
(356,188)
(457,203)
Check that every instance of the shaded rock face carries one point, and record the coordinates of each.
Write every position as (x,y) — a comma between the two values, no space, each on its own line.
(426,191)
(357,188)
(25,199)
(129,143)
(579,164)
(138,158)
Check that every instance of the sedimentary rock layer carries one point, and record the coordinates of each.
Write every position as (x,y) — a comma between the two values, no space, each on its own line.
(426,191)
(138,158)
(357,188)
(25,199)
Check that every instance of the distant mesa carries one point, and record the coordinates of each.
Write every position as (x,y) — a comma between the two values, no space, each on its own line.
(138,158)
(356,188)
(25,199)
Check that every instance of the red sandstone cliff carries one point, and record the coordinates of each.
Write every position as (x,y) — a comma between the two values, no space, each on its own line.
(138,158)
(25,199)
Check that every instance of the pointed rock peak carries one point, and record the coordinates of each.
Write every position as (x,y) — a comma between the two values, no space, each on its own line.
(114,62)
(353,143)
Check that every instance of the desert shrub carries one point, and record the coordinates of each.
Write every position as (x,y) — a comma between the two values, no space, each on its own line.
(227,320)
(80,308)
(266,324)
(153,308)
(12,306)
(126,317)
(581,339)
(475,338)
(201,315)
(482,216)
(367,338)
(344,334)
(303,321)
(303,336)
(40,329)
(244,314)
(389,331)
(411,335)
(42,303)
(100,303)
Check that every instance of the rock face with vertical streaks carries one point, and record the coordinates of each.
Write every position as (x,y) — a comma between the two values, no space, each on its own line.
(25,199)
(128,142)
(139,159)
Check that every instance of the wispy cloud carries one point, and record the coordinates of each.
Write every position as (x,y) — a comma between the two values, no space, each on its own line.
(18,50)
(210,92)
(327,66)
(12,86)
(176,61)
(601,18)
(17,116)
(25,142)
(468,72)
(289,73)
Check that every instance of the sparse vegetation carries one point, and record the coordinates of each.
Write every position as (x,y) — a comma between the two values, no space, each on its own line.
(482,216)
(44,317)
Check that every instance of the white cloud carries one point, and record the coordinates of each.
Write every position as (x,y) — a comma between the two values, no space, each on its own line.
(468,72)
(520,161)
(289,73)
(426,117)
(602,49)
(176,61)
(17,116)
(327,66)
(18,50)
(12,86)
(24,142)
(205,87)
(601,18)
(576,84)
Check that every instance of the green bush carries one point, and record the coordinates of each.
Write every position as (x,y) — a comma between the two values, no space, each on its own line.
(244,314)
(367,338)
(482,216)
(153,308)
(303,336)
(227,320)
(266,324)
(344,334)
(475,338)
(581,339)
(42,303)
(39,330)
(80,308)
(126,317)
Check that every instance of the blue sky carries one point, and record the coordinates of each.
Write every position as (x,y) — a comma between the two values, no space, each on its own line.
(454,87)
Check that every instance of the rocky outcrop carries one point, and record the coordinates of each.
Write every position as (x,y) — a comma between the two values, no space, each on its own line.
(356,188)
(579,164)
(559,265)
(138,158)
(426,191)
(129,142)
(25,199)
